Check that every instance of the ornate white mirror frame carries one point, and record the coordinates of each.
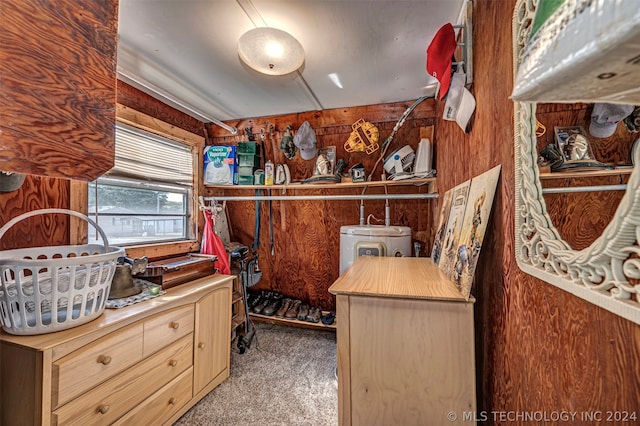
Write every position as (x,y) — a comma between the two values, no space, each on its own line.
(603,273)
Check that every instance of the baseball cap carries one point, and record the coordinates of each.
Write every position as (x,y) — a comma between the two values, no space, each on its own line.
(460,103)
(305,140)
(605,118)
(439,54)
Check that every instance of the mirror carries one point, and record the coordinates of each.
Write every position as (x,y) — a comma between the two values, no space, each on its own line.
(607,272)
(570,157)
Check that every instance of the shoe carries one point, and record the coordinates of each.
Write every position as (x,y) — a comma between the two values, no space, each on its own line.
(314,314)
(292,313)
(286,304)
(263,302)
(302,314)
(253,299)
(274,304)
(329,318)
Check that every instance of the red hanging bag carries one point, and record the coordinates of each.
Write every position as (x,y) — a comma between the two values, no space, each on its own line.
(212,244)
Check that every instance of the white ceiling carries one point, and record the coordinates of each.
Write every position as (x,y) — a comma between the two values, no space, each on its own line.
(185,53)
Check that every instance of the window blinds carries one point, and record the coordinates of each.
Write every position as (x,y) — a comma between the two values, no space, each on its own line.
(150,157)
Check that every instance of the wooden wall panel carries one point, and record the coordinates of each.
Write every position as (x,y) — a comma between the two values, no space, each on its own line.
(538,348)
(307,236)
(42,192)
(572,213)
(57,61)
(42,230)
(141,102)
(332,127)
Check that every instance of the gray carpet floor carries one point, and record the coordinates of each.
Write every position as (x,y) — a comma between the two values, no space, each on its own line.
(286,378)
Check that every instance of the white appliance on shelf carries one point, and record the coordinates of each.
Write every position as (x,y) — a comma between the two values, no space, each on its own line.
(400,162)
(372,240)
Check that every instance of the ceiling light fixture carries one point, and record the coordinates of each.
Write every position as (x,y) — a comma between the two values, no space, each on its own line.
(270,51)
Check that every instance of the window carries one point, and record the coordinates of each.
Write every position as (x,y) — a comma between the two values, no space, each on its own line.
(146,197)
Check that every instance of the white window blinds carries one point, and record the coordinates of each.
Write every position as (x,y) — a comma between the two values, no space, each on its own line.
(146,156)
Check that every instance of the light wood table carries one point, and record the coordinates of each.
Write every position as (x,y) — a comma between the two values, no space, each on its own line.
(405,345)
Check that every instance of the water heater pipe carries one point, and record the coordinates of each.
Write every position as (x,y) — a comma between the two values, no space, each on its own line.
(387,214)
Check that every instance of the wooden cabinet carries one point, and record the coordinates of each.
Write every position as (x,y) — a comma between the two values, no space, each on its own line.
(58,85)
(405,344)
(213,322)
(144,364)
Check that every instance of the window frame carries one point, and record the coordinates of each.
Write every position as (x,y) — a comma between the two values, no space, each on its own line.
(79,190)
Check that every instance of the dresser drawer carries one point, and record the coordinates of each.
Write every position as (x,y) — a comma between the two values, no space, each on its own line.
(168,327)
(109,401)
(163,404)
(93,364)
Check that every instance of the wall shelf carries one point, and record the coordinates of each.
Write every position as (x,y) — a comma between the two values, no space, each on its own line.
(283,195)
(319,186)
(294,322)
(626,171)
(587,174)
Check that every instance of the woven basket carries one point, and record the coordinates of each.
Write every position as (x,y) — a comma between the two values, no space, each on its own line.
(48,289)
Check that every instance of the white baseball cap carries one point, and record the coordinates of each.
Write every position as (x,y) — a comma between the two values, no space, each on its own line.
(605,118)
(305,140)
(460,103)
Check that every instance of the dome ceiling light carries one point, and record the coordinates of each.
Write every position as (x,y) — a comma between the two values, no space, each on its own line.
(270,51)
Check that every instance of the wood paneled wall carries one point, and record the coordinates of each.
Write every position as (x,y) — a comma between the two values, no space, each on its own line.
(57,68)
(538,348)
(37,192)
(42,192)
(135,99)
(306,249)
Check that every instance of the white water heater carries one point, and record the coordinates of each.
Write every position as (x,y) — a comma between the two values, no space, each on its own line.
(372,240)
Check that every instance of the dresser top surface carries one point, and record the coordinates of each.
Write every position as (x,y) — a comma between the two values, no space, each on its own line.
(402,277)
(113,319)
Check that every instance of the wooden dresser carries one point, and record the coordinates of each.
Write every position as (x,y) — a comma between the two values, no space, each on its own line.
(405,345)
(144,364)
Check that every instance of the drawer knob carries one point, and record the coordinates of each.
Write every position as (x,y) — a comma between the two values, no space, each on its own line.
(104,360)
(201,345)
(173,363)
(173,401)
(174,325)
(103,409)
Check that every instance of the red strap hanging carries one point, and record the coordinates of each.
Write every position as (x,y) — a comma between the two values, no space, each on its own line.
(212,244)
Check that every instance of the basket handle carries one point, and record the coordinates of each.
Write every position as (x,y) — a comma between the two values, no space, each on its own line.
(23,216)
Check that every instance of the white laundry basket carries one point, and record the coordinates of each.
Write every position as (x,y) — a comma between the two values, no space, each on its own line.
(48,289)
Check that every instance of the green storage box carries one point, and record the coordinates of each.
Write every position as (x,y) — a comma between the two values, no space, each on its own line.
(246,170)
(245,180)
(252,160)
(248,148)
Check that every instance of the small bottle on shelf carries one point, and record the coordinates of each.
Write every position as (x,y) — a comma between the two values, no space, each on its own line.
(268,173)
